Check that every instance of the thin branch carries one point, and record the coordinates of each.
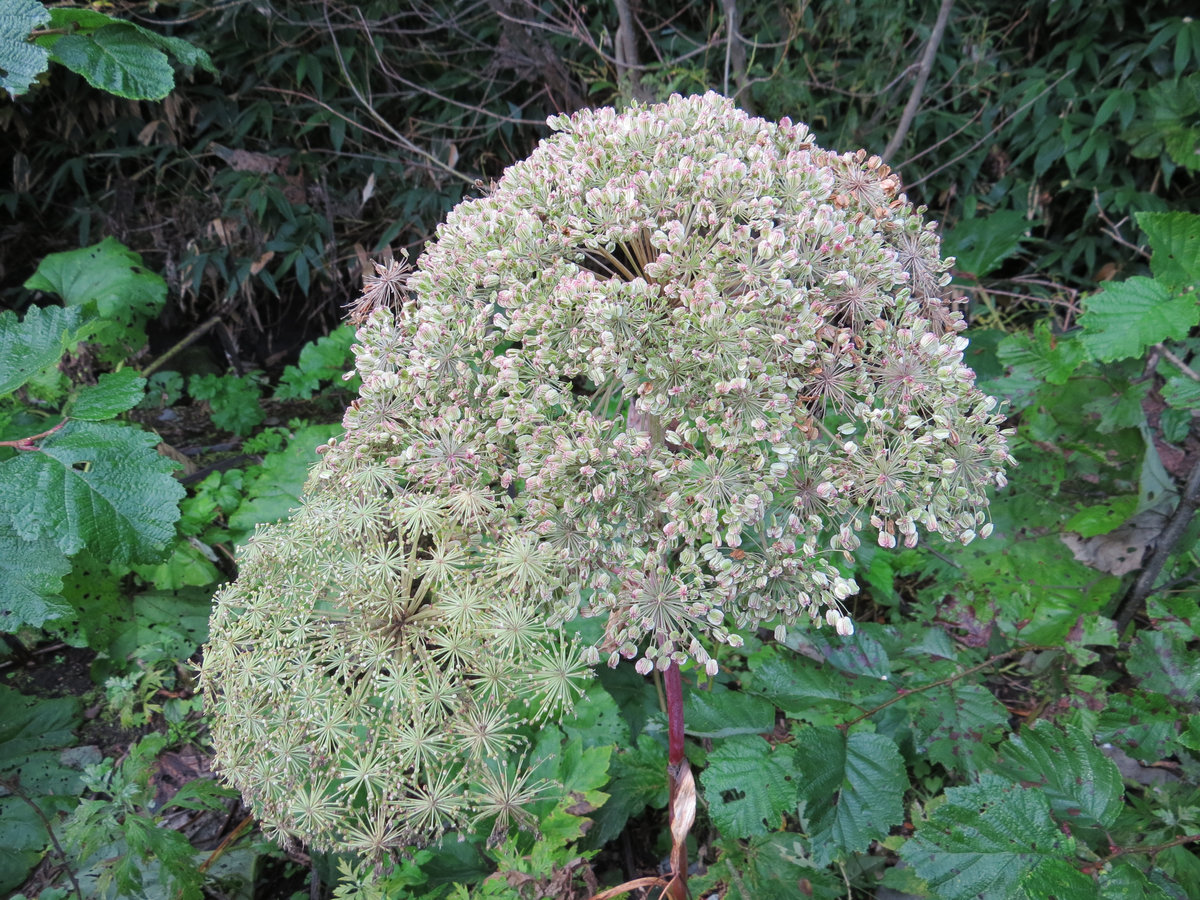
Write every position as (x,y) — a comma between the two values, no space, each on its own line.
(16,791)
(901,693)
(27,443)
(189,338)
(1177,362)
(914,99)
(1154,848)
(1135,600)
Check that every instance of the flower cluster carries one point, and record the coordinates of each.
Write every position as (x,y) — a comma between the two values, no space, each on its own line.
(664,372)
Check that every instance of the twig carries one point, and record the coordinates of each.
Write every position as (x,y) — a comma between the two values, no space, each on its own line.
(902,692)
(26,443)
(192,336)
(914,99)
(1156,848)
(1133,602)
(626,47)
(12,786)
(1177,362)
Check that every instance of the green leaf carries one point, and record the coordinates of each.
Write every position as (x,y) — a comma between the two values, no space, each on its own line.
(1074,774)
(280,482)
(99,605)
(1093,520)
(1045,355)
(174,622)
(34,344)
(1126,317)
(1142,724)
(985,840)
(1059,879)
(115,393)
(97,485)
(1124,881)
(748,786)
(20,61)
(597,720)
(772,866)
(638,780)
(980,245)
(956,725)
(31,575)
(793,683)
(88,21)
(852,787)
(234,400)
(721,712)
(1175,247)
(324,360)
(118,59)
(1163,662)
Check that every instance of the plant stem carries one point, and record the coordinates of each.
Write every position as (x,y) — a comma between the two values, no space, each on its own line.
(682,803)
(914,99)
(27,443)
(16,791)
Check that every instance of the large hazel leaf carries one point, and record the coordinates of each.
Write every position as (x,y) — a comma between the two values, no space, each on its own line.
(749,787)
(853,789)
(20,61)
(31,574)
(97,485)
(117,59)
(1074,774)
(985,840)
(723,713)
(1126,317)
(34,344)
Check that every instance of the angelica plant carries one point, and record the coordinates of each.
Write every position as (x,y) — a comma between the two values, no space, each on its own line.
(666,372)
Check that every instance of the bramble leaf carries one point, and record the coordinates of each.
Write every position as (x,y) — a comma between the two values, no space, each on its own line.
(773,866)
(748,786)
(35,343)
(1162,662)
(956,724)
(1128,316)
(1174,245)
(115,393)
(1077,778)
(985,840)
(97,485)
(117,59)
(852,787)
(325,360)
(20,61)
(31,573)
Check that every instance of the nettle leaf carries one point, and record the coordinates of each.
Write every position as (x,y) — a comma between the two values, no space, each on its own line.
(956,725)
(985,840)
(1077,778)
(31,573)
(793,683)
(720,712)
(96,485)
(748,786)
(1174,245)
(115,393)
(1126,317)
(36,343)
(1044,355)
(1124,881)
(852,787)
(1162,662)
(23,61)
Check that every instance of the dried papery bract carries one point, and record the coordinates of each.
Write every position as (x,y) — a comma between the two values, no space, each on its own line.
(666,372)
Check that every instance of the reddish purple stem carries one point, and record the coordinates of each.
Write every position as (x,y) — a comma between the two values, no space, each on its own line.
(674,687)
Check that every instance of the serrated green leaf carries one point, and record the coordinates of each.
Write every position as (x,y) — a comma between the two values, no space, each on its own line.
(956,725)
(276,490)
(985,839)
(1126,317)
(96,485)
(118,59)
(772,866)
(748,786)
(1163,662)
(108,277)
(1077,778)
(36,343)
(1182,392)
(980,245)
(1174,247)
(1059,879)
(99,607)
(115,393)
(20,61)
(88,21)
(721,712)
(793,683)
(175,622)
(31,575)
(1120,408)
(1124,881)
(597,720)
(1142,724)
(1094,520)
(1043,354)
(638,780)
(852,787)
(325,360)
